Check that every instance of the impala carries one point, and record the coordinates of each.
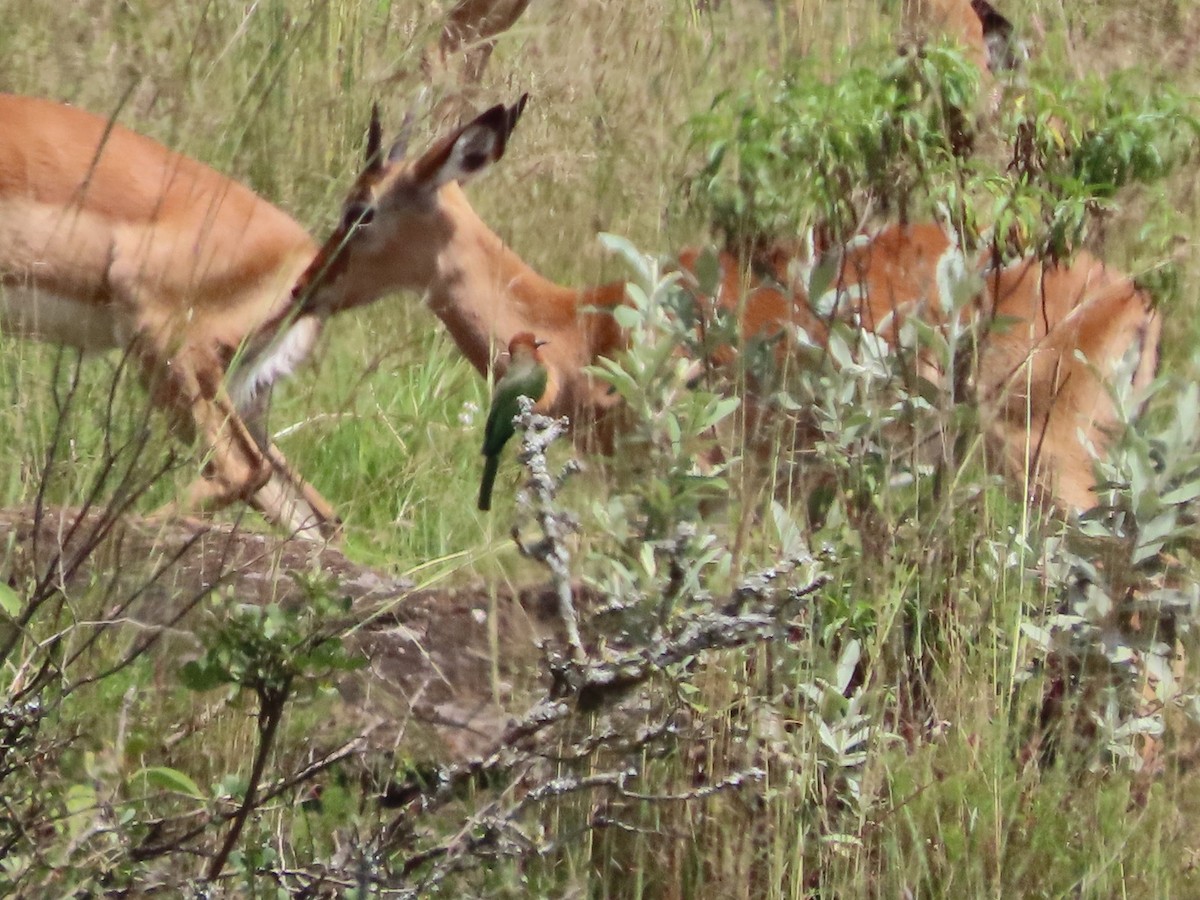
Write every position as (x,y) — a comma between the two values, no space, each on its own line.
(985,37)
(108,239)
(1063,329)
(470,30)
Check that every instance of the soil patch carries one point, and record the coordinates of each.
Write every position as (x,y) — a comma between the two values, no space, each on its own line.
(444,665)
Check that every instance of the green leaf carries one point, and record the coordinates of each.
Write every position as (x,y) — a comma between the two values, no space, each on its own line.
(1182,494)
(636,260)
(10,602)
(847,665)
(629,317)
(168,779)
(203,675)
(791,538)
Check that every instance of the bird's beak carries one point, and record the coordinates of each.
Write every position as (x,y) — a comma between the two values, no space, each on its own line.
(540,343)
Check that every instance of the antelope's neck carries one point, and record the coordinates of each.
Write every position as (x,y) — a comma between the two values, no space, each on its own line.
(280,343)
(485,294)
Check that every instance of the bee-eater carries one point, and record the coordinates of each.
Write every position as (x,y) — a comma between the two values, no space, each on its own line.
(526,377)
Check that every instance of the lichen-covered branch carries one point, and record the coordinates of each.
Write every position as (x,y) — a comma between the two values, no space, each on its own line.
(541,489)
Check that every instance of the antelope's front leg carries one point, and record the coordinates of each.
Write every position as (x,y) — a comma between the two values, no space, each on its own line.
(298,506)
(236,468)
(189,387)
(286,497)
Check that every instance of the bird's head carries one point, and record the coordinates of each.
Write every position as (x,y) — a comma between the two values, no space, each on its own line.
(524,345)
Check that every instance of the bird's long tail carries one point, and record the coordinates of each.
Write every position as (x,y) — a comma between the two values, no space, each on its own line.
(490,466)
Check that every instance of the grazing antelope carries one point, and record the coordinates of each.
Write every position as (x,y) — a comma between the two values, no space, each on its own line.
(407,224)
(470,31)
(987,39)
(985,35)
(108,239)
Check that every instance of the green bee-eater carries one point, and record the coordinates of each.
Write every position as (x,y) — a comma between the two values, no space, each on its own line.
(526,377)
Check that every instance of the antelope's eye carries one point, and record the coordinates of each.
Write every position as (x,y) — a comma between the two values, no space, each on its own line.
(356,215)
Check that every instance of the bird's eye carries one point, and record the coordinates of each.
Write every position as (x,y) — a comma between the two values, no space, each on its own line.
(357,215)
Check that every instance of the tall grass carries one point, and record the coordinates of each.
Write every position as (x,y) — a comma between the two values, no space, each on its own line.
(387,423)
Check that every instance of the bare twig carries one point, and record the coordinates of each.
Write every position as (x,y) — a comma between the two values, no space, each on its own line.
(587,686)
(353,747)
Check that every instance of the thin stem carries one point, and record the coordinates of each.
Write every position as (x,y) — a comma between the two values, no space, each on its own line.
(271,705)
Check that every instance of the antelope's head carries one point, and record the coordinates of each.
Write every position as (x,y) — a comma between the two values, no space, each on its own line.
(400,214)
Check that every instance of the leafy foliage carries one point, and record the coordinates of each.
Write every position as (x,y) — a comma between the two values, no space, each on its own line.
(1074,145)
(671,415)
(797,150)
(1129,602)
(901,140)
(268,649)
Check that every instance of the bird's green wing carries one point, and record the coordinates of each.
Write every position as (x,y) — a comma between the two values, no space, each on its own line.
(530,383)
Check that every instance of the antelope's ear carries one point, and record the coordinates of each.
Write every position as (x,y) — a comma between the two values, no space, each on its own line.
(374,140)
(471,149)
(399,148)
